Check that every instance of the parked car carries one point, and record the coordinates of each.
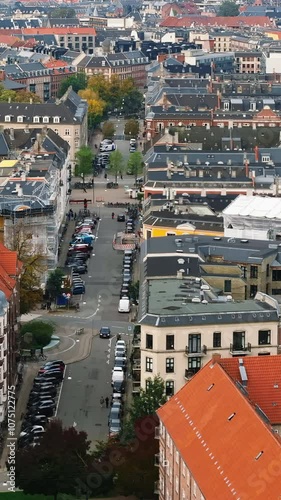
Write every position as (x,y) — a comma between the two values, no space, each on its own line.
(78,290)
(118,387)
(114,428)
(115,414)
(105,332)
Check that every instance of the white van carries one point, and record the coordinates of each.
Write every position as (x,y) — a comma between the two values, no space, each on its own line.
(117,377)
(124,306)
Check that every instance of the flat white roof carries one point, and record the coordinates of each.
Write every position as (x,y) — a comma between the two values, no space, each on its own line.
(255,206)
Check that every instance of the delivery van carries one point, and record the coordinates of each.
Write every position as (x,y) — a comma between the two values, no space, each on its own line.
(117,377)
(124,306)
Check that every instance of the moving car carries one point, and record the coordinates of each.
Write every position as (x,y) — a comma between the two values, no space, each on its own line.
(105,332)
(121,218)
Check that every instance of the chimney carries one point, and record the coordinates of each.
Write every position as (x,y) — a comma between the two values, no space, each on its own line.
(23,176)
(219,174)
(185,159)
(233,174)
(256,153)
(12,134)
(19,190)
(169,175)
(218,99)
(216,358)
(179,275)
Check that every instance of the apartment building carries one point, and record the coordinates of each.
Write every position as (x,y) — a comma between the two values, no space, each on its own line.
(248,62)
(67,117)
(10,270)
(81,39)
(124,65)
(34,197)
(195,462)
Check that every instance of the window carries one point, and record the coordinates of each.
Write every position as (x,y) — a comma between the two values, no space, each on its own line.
(276,275)
(7,118)
(264,337)
(177,484)
(194,342)
(244,272)
(217,339)
(149,341)
(194,364)
(170,365)
(36,119)
(170,388)
(254,272)
(183,469)
(177,457)
(267,270)
(170,339)
(253,290)
(56,131)
(148,364)
(265,158)
(20,119)
(226,106)
(45,119)
(194,488)
(32,88)
(67,131)
(170,234)
(239,341)
(227,286)
(187,477)
(56,119)
(77,132)
(147,384)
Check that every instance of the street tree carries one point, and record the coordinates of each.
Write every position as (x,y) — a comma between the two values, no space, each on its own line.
(228,8)
(116,164)
(59,464)
(36,334)
(34,265)
(135,164)
(132,128)
(108,130)
(62,12)
(54,284)
(84,158)
(96,106)
(77,82)
(133,102)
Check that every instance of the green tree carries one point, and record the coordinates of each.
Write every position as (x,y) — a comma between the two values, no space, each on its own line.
(135,164)
(36,334)
(84,158)
(60,463)
(108,130)
(116,164)
(77,82)
(132,128)
(228,8)
(62,12)
(54,284)
(133,102)
(34,266)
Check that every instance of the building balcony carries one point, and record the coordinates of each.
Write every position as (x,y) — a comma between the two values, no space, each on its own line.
(241,349)
(136,365)
(157,460)
(157,432)
(201,351)
(190,372)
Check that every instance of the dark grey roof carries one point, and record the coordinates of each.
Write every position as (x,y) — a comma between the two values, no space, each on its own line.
(167,218)
(4,148)
(64,21)
(12,85)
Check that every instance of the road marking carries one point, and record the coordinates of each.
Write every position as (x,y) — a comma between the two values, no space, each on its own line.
(71,347)
(74,424)
(107,363)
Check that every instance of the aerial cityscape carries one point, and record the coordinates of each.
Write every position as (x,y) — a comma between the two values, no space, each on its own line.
(140,250)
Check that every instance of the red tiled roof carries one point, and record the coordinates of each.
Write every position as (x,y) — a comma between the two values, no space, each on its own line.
(228,458)
(8,40)
(9,261)
(55,63)
(7,284)
(229,22)
(264,382)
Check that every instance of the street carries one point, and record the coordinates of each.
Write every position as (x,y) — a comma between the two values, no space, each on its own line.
(86,381)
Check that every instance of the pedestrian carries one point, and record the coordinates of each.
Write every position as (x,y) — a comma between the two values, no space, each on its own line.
(101,402)
(75,215)
(106,402)
(121,176)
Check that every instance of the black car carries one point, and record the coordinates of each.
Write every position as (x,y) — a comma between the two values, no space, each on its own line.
(121,218)
(44,382)
(52,391)
(105,332)
(54,373)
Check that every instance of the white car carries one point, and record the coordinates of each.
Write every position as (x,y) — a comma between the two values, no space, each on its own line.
(121,343)
(117,369)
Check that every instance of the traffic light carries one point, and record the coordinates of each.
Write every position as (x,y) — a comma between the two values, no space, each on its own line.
(85,204)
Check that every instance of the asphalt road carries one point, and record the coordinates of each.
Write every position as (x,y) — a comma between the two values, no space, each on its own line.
(86,381)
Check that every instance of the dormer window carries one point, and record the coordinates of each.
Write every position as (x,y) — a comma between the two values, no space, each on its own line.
(226,106)
(56,119)
(20,119)
(7,118)
(45,119)
(36,119)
